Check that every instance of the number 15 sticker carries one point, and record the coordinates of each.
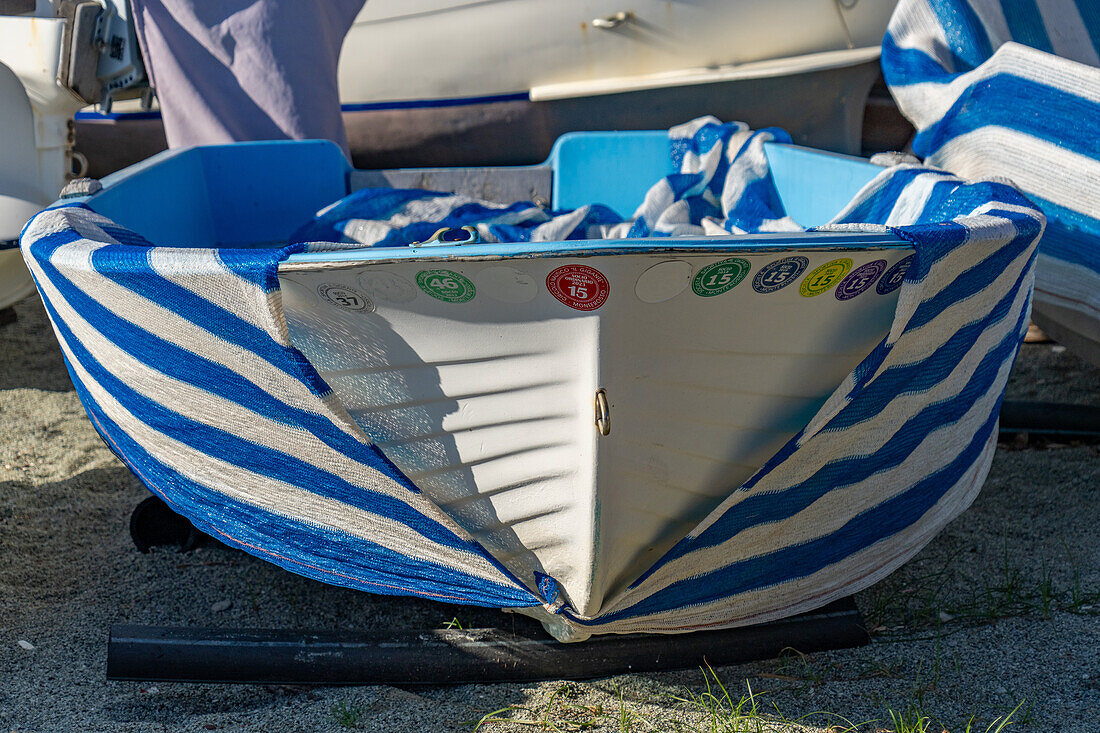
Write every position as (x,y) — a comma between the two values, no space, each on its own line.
(580,287)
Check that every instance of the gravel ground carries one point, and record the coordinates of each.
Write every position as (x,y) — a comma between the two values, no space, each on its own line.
(1000,609)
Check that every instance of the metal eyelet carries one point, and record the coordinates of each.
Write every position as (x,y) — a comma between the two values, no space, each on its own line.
(451,235)
(603,412)
(614,20)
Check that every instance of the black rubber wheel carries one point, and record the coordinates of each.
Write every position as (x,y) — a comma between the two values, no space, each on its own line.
(153,524)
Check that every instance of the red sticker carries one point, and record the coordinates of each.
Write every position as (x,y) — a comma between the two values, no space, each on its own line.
(578,286)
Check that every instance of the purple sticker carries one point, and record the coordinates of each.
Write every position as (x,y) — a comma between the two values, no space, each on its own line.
(860,279)
(894,277)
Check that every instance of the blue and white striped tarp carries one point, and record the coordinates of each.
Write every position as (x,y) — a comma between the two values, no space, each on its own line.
(1011,88)
(183,360)
(722,187)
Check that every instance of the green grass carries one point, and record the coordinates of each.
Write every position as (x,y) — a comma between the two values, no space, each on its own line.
(560,713)
(793,665)
(347,716)
(1000,723)
(713,707)
(719,712)
(910,721)
(914,720)
(919,602)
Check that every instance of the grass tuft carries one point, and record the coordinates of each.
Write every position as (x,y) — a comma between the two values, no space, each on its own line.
(912,720)
(347,716)
(917,602)
(562,714)
(714,708)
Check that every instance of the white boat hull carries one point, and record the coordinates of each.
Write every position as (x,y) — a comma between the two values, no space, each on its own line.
(282,399)
(443,49)
(488,404)
(35,133)
(443,83)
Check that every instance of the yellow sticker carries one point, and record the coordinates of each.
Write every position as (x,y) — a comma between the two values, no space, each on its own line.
(822,279)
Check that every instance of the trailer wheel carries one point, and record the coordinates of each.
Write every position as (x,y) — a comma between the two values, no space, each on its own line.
(153,523)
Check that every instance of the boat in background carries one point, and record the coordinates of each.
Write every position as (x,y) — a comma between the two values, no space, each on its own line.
(448,83)
(50,67)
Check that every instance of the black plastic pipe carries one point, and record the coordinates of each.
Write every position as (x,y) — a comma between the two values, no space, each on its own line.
(452,656)
(1054,419)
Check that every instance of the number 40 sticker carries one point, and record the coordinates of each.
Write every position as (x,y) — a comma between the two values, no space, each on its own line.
(446,285)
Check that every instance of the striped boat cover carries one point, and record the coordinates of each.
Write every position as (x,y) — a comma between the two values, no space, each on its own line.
(182,358)
(1012,88)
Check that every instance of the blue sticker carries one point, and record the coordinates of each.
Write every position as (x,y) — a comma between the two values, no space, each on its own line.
(894,277)
(779,274)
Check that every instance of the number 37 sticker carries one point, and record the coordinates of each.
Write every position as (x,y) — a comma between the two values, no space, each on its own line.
(580,287)
(345,297)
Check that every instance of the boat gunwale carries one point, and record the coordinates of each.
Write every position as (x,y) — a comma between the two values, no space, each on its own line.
(703,246)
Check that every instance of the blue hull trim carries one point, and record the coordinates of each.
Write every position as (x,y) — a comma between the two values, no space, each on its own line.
(358,107)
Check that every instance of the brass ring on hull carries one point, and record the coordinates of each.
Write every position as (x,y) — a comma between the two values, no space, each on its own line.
(603,413)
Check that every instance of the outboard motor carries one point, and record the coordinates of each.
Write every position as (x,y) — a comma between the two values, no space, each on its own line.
(55,58)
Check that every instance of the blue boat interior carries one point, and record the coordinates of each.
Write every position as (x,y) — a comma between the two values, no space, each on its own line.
(258,194)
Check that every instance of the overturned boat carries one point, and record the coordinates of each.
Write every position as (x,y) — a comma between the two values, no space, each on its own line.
(657,433)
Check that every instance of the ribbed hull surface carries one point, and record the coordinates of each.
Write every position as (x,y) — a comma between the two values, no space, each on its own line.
(488,404)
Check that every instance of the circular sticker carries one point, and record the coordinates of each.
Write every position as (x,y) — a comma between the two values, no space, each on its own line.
(446,285)
(894,277)
(344,297)
(388,286)
(860,279)
(779,274)
(720,277)
(664,281)
(578,286)
(823,278)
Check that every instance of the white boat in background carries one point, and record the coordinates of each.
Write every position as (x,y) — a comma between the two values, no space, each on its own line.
(447,83)
(50,67)
(34,114)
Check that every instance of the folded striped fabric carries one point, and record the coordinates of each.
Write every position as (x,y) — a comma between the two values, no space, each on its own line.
(1011,88)
(183,361)
(722,187)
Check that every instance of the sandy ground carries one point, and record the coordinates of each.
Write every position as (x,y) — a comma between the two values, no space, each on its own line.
(1000,609)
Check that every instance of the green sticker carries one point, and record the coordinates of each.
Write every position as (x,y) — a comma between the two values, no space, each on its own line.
(446,285)
(824,278)
(719,277)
